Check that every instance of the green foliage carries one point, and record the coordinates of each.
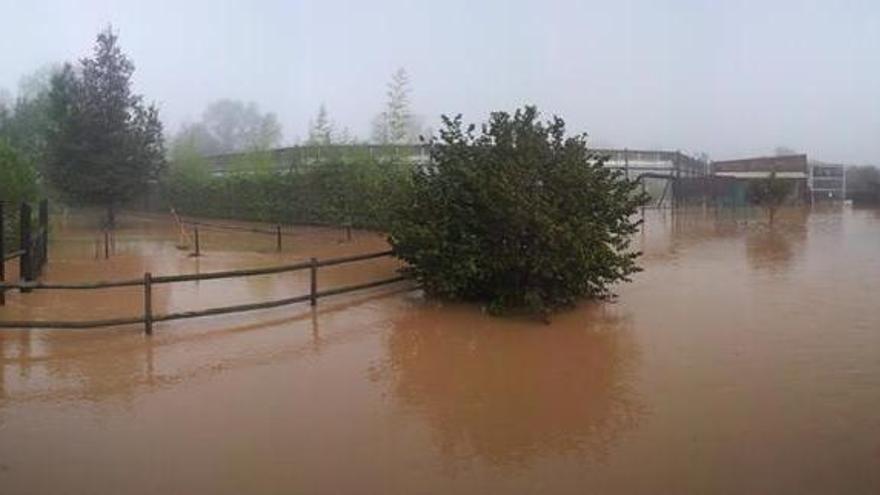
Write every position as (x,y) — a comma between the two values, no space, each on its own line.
(18,182)
(18,179)
(189,169)
(338,189)
(25,124)
(770,193)
(517,217)
(105,145)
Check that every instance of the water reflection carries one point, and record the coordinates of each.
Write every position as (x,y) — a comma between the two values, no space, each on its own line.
(508,393)
(775,248)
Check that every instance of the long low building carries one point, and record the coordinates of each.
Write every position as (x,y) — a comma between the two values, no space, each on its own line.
(633,162)
(813,181)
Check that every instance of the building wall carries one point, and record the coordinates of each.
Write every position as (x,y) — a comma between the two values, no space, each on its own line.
(827,182)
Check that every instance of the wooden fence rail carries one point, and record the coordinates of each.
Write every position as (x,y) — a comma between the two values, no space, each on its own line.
(149,280)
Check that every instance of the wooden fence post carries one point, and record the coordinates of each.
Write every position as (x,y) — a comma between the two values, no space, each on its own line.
(313,293)
(278,237)
(106,244)
(198,244)
(25,262)
(148,303)
(2,254)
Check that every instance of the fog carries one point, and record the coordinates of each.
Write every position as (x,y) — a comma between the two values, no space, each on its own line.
(732,79)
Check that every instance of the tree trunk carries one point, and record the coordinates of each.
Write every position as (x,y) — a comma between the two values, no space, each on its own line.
(111,216)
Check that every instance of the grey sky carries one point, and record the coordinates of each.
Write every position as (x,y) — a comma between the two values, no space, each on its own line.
(731,78)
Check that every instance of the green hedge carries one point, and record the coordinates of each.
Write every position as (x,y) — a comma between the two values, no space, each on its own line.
(359,191)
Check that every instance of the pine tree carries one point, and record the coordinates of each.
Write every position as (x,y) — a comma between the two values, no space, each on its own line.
(396,124)
(104,145)
(398,108)
(321,129)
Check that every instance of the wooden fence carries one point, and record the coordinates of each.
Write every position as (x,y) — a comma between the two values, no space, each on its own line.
(149,280)
(33,248)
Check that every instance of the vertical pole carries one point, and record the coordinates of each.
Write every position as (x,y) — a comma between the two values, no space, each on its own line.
(313,293)
(348,231)
(626,162)
(2,254)
(26,260)
(106,244)
(44,229)
(198,244)
(643,204)
(278,237)
(148,303)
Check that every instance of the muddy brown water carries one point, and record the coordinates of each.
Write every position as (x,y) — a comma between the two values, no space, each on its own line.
(743,360)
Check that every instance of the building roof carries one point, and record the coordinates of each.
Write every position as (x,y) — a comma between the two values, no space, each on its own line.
(779,164)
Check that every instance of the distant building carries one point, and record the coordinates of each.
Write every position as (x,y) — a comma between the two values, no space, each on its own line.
(674,164)
(633,162)
(827,182)
(792,168)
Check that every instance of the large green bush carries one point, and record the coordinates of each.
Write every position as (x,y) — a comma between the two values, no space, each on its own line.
(517,216)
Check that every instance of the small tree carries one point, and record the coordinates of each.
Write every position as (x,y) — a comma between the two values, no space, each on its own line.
(396,124)
(770,193)
(517,216)
(321,131)
(105,145)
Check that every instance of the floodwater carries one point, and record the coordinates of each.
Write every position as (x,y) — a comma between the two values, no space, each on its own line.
(744,359)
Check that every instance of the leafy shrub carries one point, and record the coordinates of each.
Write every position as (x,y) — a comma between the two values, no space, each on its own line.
(519,216)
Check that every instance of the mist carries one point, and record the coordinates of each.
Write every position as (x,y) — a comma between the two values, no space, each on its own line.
(729,80)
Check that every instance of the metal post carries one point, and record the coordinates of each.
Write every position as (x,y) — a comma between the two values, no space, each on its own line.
(278,237)
(2,255)
(148,303)
(198,244)
(313,293)
(643,203)
(26,273)
(106,244)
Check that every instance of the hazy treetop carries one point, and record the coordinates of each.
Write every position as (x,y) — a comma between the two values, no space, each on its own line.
(728,78)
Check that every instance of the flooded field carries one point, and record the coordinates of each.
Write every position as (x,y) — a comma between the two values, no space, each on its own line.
(743,359)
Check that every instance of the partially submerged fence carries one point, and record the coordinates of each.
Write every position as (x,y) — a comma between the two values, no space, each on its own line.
(32,252)
(148,281)
(276,232)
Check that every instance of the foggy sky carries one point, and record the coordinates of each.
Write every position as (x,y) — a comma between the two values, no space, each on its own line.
(730,78)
